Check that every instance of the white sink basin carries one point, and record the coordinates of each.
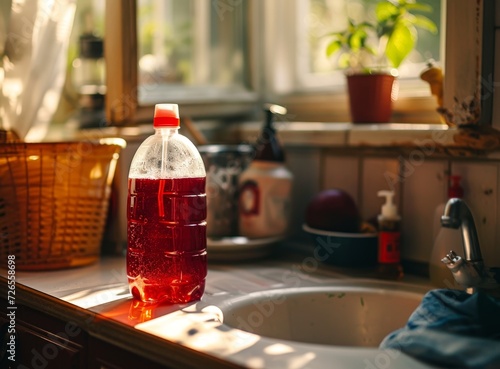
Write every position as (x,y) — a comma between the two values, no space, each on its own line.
(358,314)
(263,318)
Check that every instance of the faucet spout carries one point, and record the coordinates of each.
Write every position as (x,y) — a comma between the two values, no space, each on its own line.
(470,272)
(458,215)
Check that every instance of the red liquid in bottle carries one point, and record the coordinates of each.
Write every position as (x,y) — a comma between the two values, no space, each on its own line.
(166,254)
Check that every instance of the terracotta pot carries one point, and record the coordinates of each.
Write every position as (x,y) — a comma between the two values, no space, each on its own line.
(370,97)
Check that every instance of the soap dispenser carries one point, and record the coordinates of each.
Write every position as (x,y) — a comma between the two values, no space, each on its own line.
(445,240)
(389,239)
(265,186)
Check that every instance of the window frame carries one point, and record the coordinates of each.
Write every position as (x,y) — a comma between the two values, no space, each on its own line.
(328,106)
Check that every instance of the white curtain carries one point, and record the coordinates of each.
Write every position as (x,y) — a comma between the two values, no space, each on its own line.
(34,62)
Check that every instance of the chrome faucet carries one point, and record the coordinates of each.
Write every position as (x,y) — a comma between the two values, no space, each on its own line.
(471,272)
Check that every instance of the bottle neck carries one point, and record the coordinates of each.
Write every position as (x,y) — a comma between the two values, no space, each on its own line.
(166,132)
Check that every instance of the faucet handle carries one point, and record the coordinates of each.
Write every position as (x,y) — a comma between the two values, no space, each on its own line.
(466,273)
(452,259)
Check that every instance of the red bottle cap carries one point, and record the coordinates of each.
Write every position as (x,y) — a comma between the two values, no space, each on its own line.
(455,190)
(166,115)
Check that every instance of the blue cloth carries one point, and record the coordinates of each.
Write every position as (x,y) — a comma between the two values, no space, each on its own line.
(452,329)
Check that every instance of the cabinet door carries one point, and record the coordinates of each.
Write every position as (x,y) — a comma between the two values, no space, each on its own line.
(107,356)
(4,344)
(42,341)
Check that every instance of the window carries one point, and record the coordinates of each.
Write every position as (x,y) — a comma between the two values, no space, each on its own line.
(299,75)
(192,50)
(221,57)
(199,57)
(324,16)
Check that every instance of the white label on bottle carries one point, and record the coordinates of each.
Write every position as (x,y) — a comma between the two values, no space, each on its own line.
(264,207)
(249,198)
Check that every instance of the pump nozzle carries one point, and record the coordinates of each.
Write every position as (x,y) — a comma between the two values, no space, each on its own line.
(275,109)
(389,209)
(271,110)
(268,147)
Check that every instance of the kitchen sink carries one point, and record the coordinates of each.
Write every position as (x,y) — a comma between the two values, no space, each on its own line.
(275,317)
(356,314)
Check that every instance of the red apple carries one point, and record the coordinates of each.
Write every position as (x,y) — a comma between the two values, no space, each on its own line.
(333,210)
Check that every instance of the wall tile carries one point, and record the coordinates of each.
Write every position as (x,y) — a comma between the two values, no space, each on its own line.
(480,182)
(305,167)
(341,172)
(420,185)
(424,188)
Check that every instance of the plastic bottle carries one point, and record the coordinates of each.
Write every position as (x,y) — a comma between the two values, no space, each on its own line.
(265,186)
(445,240)
(389,242)
(166,215)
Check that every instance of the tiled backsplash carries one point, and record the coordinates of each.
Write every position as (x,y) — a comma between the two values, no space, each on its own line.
(420,183)
(419,179)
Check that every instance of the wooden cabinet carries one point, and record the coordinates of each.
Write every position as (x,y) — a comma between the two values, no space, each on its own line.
(45,342)
(42,341)
(103,355)
(54,334)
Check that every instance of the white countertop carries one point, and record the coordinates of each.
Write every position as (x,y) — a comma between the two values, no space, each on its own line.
(102,288)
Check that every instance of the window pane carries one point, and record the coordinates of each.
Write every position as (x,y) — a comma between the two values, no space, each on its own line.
(327,16)
(193,48)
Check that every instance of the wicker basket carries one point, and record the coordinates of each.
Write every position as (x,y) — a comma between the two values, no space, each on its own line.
(54,201)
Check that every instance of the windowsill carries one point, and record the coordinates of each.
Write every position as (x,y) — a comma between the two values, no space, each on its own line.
(199,102)
(433,138)
(348,134)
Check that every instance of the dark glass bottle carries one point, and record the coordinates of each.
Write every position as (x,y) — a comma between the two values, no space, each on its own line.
(265,186)
(268,147)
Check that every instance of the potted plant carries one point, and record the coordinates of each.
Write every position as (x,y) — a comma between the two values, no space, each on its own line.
(371,52)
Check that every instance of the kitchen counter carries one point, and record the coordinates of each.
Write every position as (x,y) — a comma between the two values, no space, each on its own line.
(96,298)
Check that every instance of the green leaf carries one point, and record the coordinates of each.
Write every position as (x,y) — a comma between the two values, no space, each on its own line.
(333,47)
(395,30)
(357,39)
(423,22)
(400,43)
(419,7)
(386,10)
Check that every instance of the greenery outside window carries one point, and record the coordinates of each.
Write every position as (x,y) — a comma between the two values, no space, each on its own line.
(191,50)
(311,84)
(324,16)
